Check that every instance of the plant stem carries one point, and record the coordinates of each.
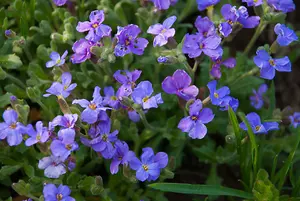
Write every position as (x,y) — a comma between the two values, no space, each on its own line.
(16,80)
(257,33)
(146,123)
(206,101)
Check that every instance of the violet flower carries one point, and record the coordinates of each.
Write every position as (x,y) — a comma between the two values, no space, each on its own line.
(180,84)
(245,20)
(285,35)
(122,156)
(257,97)
(96,29)
(64,88)
(66,121)
(56,60)
(11,129)
(195,44)
(253,2)
(60,193)
(127,79)
(205,26)
(150,165)
(295,119)
(284,6)
(231,15)
(59,2)
(41,134)
(53,166)
(217,95)
(110,98)
(194,123)
(216,68)
(82,51)
(64,146)
(257,126)
(128,41)
(229,101)
(204,4)
(142,96)
(163,4)
(162,31)
(133,115)
(92,108)
(268,65)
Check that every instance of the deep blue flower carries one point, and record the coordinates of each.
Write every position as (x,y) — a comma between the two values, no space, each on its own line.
(285,35)
(122,156)
(282,5)
(60,193)
(257,97)
(205,26)
(194,123)
(217,95)
(268,65)
(257,126)
(203,4)
(216,68)
(150,165)
(245,20)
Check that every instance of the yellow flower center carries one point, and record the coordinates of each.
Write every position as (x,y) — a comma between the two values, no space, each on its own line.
(271,62)
(13,126)
(201,46)
(127,42)
(68,146)
(145,167)
(113,98)
(146,99)
(93,106)
(95,25)
(216,95)
(104,137)
(38,137)
(257,128)
(194,118)
(163,31)
(59,196)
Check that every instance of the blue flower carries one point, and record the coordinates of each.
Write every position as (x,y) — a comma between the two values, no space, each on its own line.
(295,119)
(66,121)
(110,98)
(253,2)
(257,126)
(53,166)
(162,31)
(142,96)
(203,4)
(257,99)
(284,35)
(150,165)
(217,95)
(56,60)
(122,156)
(60,193)
(282,5)
(268,65)
(41,134)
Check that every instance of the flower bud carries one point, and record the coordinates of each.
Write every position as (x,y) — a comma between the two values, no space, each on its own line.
(56,37)
(9,33)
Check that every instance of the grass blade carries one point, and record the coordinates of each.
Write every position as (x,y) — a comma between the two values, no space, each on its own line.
(200,190)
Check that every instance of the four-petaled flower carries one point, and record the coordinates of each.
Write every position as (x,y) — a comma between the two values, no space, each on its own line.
(180,84)
(64,88)
(60,193)
(257,126)
(110,98)
(204,4)
(53,166)
(148,168)
(11,129)
(216,68)
(295,119)
(194,123)
(82,51)
(56,60)
(268,65)
(41,134)
(285,35)
(96,29)
(122,156)
(257,100)
(205,26)
(127,79)
(66,121)
(217,95)
(142,95)
(162,31)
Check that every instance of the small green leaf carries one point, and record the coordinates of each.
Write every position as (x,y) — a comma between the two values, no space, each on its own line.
(29,170)
(2,74)
(10,61)
(200,189)
(8,170)
(86,183)
(73,179)
(21,188)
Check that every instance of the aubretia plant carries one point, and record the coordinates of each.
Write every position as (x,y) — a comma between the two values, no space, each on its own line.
(126,100)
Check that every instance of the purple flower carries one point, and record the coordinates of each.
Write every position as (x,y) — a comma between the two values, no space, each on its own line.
(194,124)
(66,121)
(229,101)
(103,143)
(245,20)
(11,129)
(148,168)
(162,31)
(122,156)
(231,15)
(217,95)
(179,84)
(257,97)
(128,41)
(282,5)
(92,108)
(59,2)
(142,96)
(60,193)
(216,68)
(257,126)
(285,35)
(253,2)
(95,128)
(295,119)
(56,60)
(64,88)
(41,134)
(53,166)
(127,79)
(268,65)
(82,49)
(96,29)
(65,144)
(110,98)
(195,44)
(203,4)
(205,26)
(162,59)
(9,33)
(163,4)
(133,115)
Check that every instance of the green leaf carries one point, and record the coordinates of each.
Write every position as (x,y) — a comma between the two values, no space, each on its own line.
(21,188)
(2,74)
(235,124)
(200,189)
(29,170)
(86,183)
(8,170)
(5,100)
(73,179)
(10,61)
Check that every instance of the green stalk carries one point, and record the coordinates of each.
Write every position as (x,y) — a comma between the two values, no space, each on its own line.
(146,123)
(257,33)
(16,81)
